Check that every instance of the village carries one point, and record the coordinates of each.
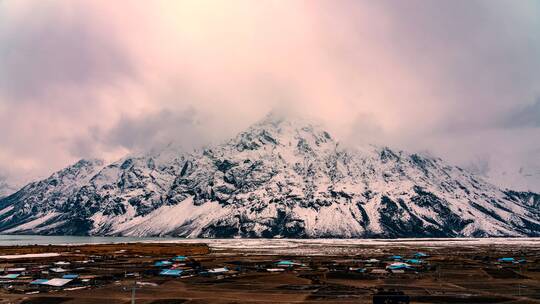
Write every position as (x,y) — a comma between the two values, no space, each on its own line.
(193,273)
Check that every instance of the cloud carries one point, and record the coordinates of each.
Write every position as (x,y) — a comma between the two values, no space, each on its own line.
(158,129)
(523,116)
(101,78)
(44,48)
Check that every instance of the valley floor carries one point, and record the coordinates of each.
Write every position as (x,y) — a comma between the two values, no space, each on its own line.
(236,272)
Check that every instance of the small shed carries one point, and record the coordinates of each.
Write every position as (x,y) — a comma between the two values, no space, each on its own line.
(372,261)
(58,270)
(275,269)
(218,270)
(56,282)
(15,270)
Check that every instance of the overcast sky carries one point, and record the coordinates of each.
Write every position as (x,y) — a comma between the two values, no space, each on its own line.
(458,78)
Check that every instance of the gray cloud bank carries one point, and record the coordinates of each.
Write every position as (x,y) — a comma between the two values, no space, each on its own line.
(102,79)
(523,117)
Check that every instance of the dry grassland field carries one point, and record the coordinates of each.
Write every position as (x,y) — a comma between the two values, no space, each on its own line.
(275,271)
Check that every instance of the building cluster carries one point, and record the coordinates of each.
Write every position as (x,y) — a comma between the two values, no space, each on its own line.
(35,274)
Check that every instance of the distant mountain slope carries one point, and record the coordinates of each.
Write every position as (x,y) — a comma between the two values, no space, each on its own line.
(279,178)
(523,176)
(5,189)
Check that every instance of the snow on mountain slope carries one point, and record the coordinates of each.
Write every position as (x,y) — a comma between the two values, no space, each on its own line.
(40,200)
(281,177)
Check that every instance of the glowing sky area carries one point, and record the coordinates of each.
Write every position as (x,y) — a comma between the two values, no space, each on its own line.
(458,78)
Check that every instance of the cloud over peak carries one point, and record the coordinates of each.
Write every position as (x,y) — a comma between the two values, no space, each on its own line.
(103,78)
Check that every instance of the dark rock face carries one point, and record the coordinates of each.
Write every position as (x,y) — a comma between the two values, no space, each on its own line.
(279,178)
(529,198)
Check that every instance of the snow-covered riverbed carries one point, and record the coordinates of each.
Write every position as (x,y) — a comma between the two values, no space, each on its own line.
(285,246)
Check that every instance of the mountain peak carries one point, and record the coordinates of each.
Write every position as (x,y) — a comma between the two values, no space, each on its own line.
(89,162)
(286,129)
(283,119)
(273,118)
(284,176)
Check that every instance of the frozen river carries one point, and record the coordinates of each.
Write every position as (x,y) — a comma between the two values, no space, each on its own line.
(285,246)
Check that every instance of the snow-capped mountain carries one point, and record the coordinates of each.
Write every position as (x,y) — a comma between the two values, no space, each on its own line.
(279,178)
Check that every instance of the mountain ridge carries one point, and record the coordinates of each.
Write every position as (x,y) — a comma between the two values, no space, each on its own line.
(279,178)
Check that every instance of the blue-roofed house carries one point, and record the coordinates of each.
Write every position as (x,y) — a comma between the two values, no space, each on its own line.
(171,272)
(10,276)
(420,255)
(395,257)
(506,260)
(39,282)
(414,261)
(396,266)
(70,276)
(179,258)
(287,263)
(162,263)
